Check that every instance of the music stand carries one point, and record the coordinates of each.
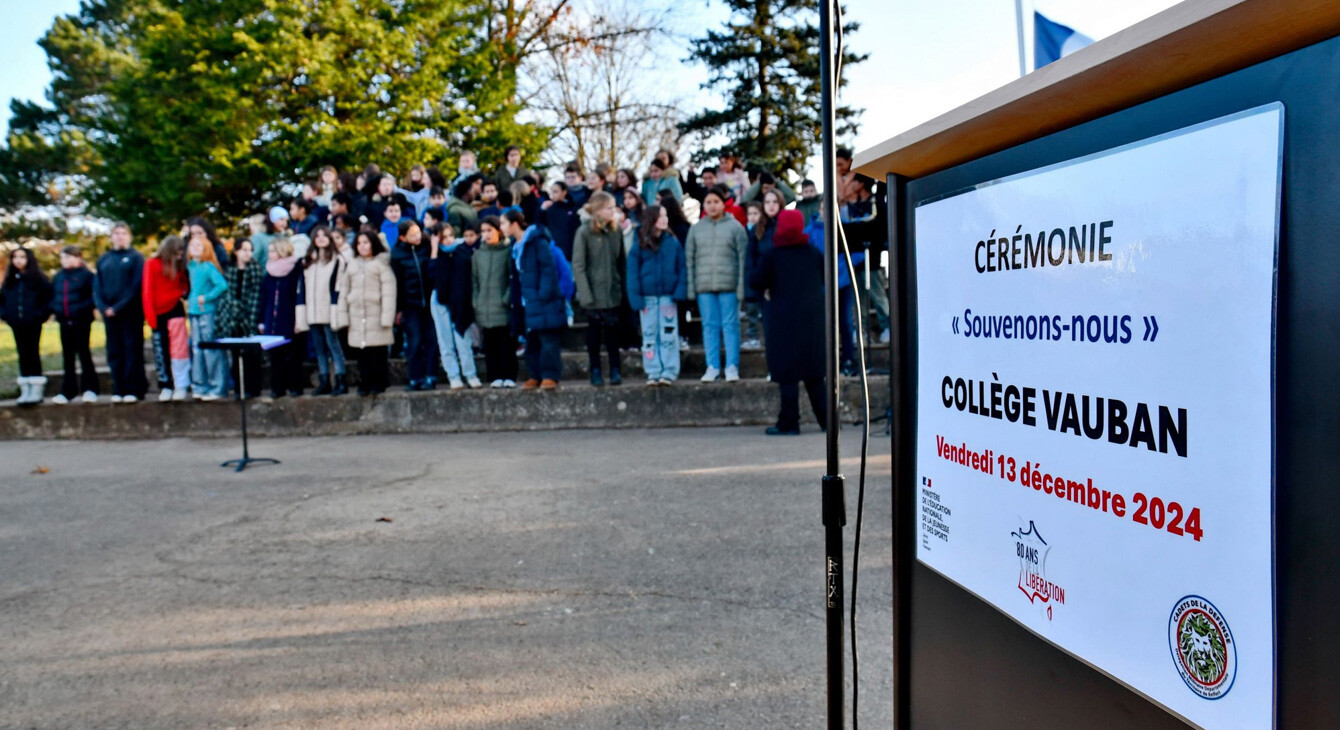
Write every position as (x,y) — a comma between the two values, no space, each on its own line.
(238,346)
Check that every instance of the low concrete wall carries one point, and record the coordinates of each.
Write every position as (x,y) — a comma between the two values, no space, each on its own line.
(688,403)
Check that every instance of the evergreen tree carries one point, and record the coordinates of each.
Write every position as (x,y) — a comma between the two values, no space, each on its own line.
(163,110)
(766,62)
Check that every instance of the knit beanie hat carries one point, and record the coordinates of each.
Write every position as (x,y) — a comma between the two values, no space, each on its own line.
(278,213)
(790,229)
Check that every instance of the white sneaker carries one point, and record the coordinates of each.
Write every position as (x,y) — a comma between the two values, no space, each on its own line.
(509,383)
(683,344)
(129,399)
(165,394)
(210,397)
(497,383)
(473,382)
(710,375)
(60,399)
(456,384)
(751,344)
(732,374)
(117,398)
(884,336)
(89,397)
(180,394)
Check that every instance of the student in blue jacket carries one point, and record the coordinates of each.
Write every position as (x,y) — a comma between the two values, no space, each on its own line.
(542,299)
(209,368)
(657,280)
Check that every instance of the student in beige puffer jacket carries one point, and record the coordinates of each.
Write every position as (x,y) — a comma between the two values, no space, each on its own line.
(368,305)
(319,313)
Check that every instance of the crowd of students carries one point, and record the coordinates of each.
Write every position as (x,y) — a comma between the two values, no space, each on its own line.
(443,266)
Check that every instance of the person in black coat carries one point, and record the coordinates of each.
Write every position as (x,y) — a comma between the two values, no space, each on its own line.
(790,278)
(561,215)
(72,303)
(452,305)
(116,292)
(411,261)
(25,301)
(281,290)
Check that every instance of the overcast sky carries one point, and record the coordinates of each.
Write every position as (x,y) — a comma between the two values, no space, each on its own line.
(926,56)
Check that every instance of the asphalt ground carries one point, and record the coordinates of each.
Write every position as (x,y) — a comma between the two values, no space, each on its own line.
(574,579)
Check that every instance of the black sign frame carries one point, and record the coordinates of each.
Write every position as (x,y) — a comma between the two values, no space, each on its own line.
(960,663)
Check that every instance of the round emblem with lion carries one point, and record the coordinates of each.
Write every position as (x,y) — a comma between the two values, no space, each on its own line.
(1202,647)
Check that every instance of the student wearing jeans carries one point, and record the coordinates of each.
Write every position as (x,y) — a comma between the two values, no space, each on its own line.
(209,368)
(656,280)
(715,259)
(451,306)
(323,274)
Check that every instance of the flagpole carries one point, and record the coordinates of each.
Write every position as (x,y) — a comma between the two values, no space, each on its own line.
(1019,23)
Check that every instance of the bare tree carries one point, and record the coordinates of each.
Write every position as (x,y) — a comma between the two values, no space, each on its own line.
(599,92)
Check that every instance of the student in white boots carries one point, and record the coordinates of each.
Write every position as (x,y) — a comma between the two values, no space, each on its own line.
(25,298)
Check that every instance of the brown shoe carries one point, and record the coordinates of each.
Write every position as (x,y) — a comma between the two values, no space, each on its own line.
(548,384)
(531,384)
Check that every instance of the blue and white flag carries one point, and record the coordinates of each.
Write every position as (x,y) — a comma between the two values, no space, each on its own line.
(1053,41)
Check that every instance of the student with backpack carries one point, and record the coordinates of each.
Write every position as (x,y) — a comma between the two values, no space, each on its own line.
(116,292)
(411,262)
(491,283)
(368,304)
(318,309)
(451,306)
(25,299)
(165,283)
(657,279)
(546,285)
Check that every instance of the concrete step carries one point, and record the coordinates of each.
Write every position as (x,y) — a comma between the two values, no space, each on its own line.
(576,367)
(573,406)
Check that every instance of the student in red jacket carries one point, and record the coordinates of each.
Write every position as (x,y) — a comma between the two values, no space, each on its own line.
(165,284)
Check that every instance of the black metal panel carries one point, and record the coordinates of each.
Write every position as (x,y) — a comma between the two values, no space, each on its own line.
(969,666)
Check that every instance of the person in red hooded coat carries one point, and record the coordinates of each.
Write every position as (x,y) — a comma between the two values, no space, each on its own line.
(790,278)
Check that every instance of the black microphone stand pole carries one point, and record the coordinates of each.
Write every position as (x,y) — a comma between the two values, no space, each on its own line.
(833,486)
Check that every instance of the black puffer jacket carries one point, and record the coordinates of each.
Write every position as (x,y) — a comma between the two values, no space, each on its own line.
(413,275)
(72,295)
(452,271)
(25,299)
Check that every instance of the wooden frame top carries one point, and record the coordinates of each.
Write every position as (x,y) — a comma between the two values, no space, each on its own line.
(1191,42)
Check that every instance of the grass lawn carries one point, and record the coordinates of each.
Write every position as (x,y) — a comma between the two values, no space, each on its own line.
(51,358)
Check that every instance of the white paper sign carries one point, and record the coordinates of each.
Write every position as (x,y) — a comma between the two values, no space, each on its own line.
(1094,410)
